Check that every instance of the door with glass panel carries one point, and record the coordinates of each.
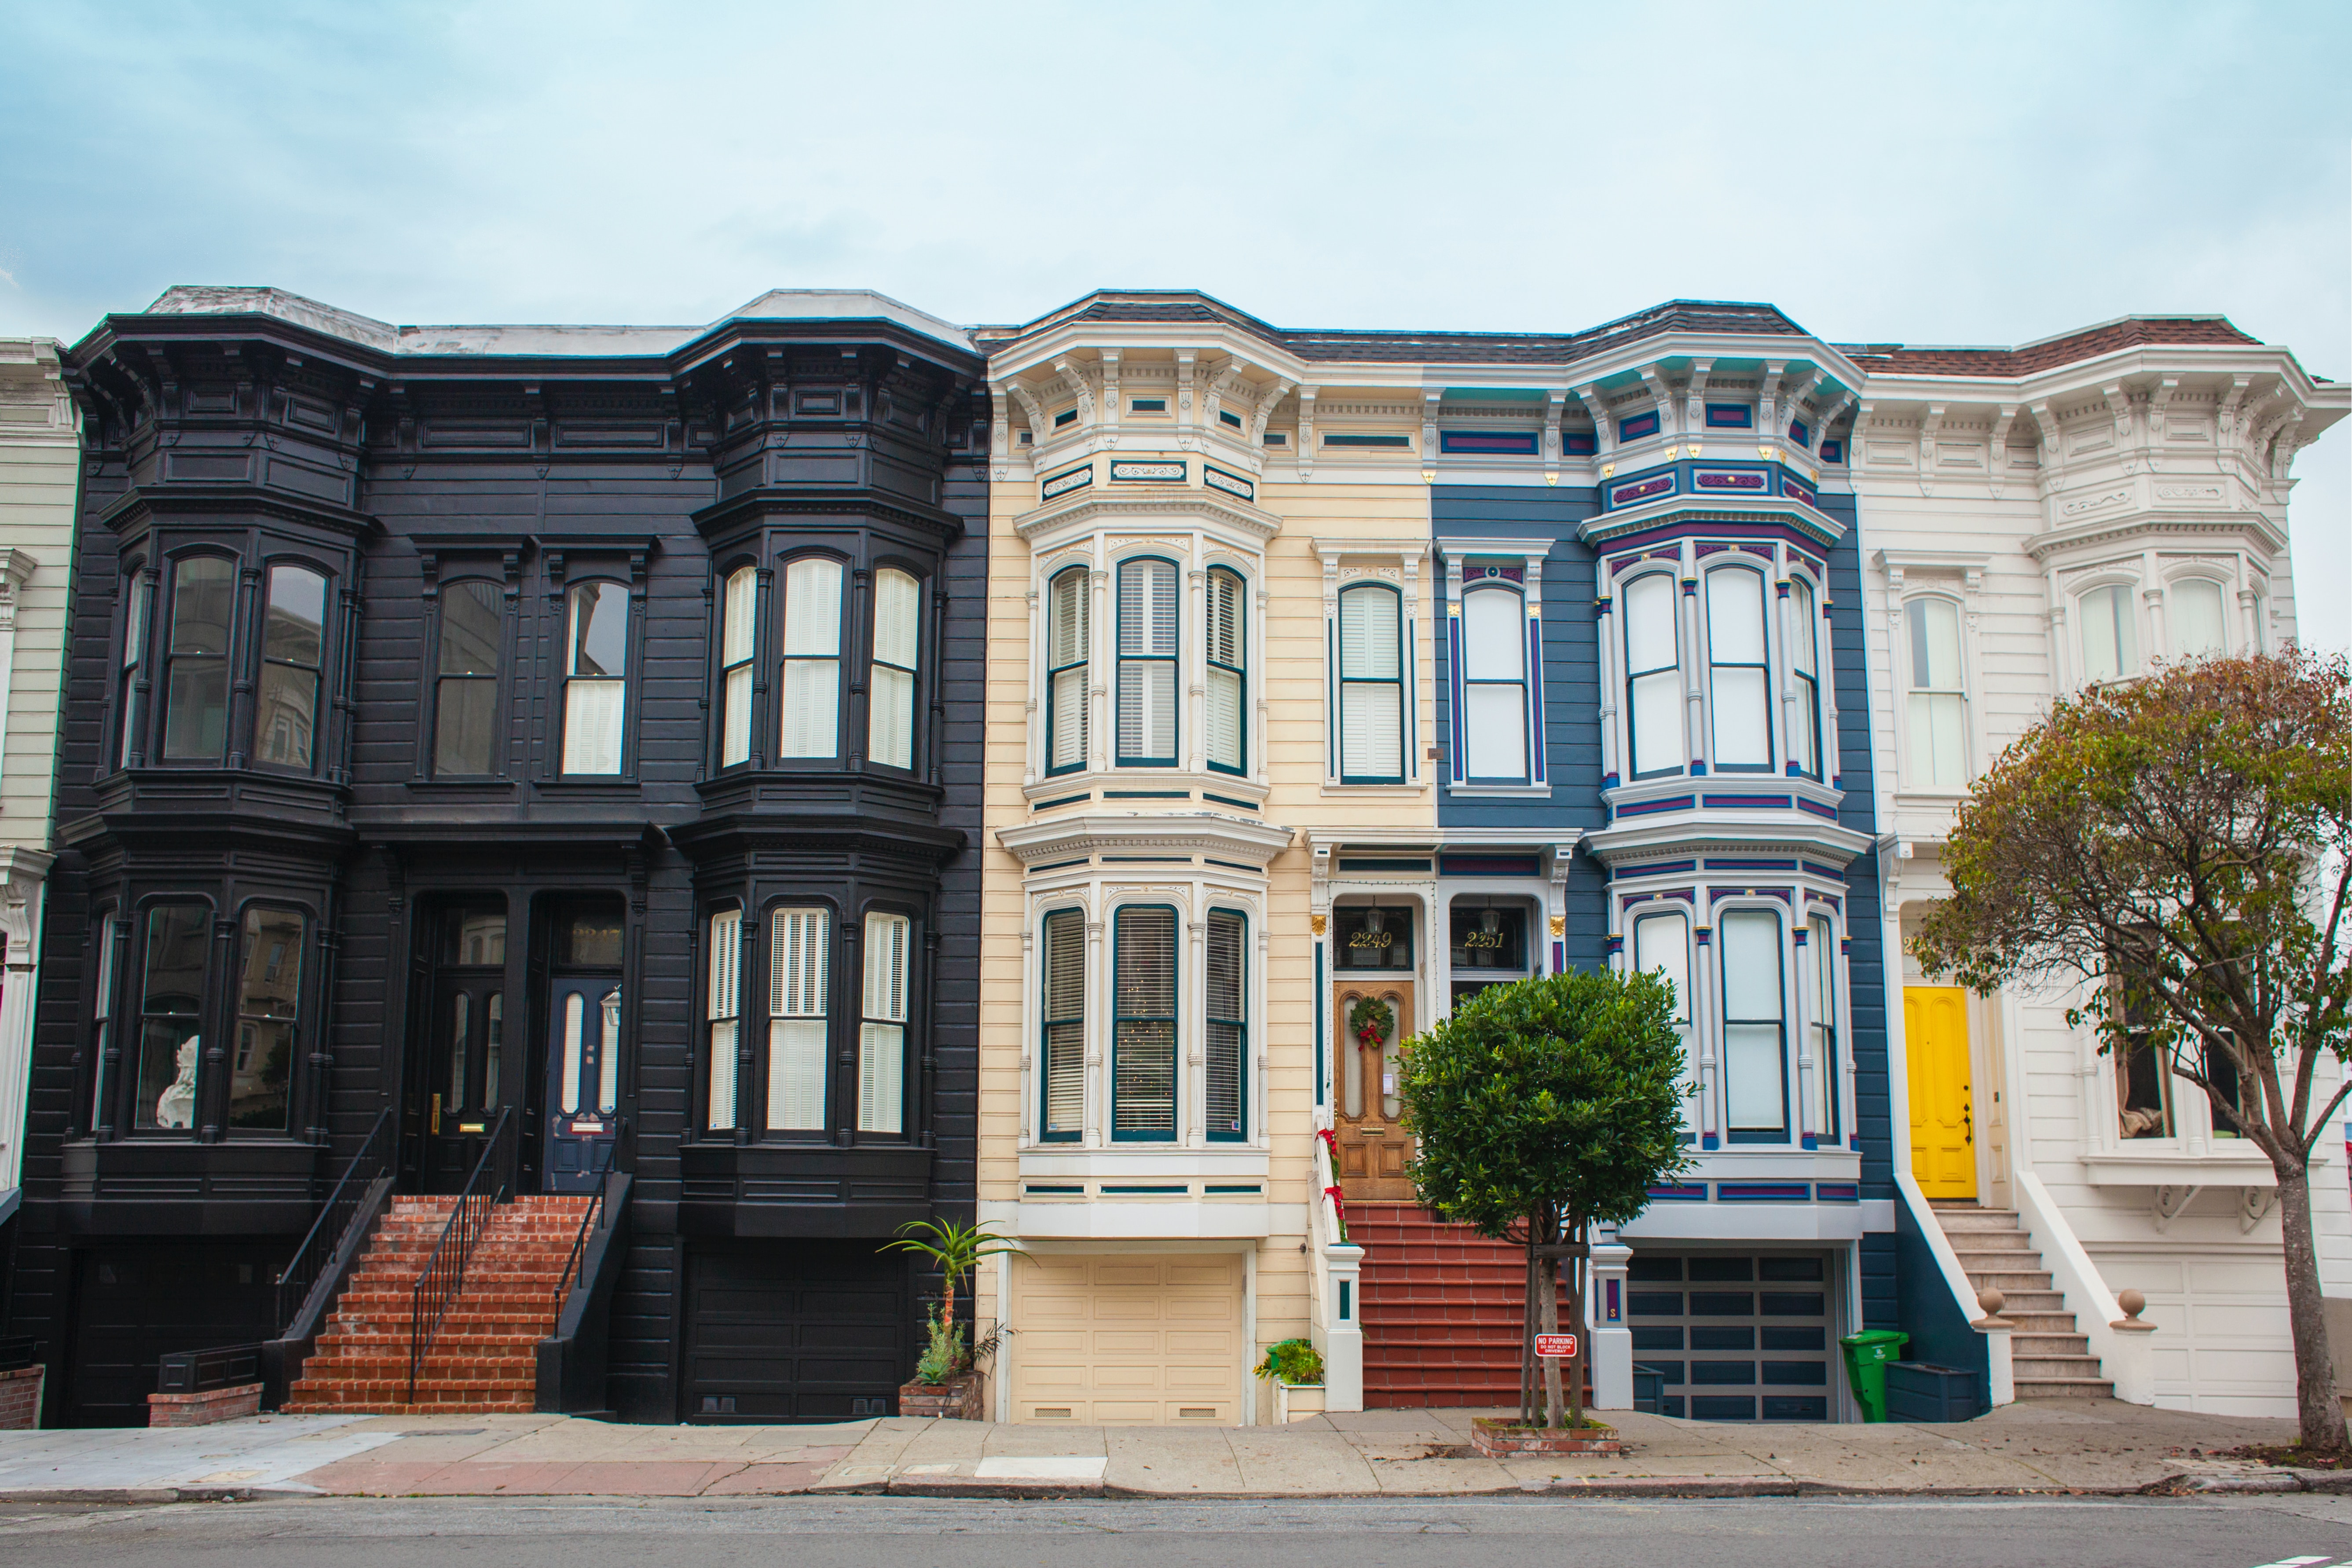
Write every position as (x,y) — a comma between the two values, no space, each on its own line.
(470,1073)
(1372,1016)
(583,1051)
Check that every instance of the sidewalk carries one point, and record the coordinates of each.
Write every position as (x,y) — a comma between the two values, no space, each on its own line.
(2057,1445)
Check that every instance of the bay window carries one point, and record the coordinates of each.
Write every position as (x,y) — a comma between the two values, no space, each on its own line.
(809,717)
(1147,663)
(1653,679)
(175,947)
(1755,1061)
(1371,685)
(595,683)
(1063,1047)
(1227,673)
(1143,1024)
(268,997)
(2110,634)
(1495,684)
(1738,678)
(1935,715)
(466,679)
(2193,615)
(890,711)
(1066,701)
(882,1038)
(1228,1026)
(1662,947)
(1820,968)
(799,1023)
(195,690)
(1804,664)
(722,1012)
(737,624)
(140,593)
(293,643)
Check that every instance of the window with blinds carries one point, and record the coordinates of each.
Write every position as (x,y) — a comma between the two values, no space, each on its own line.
(1495,685)
(1804,663)
(723,1011)
(1739,679)
(882,1038)
(1228,673)
(799,964)
(1066,672)
(737,611)
(1143,1025)
(1937,713)
(809,710)
(1062,1053)
(595,678)
(1147,663)
(1653,680)
(1755,1051)
(1371,686)
(1227,1019)
(890,704)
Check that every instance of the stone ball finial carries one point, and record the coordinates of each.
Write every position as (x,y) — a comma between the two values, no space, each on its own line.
(2132,1302)
(1991,1300)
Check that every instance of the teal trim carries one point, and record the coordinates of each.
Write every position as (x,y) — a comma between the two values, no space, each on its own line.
(1215,1188)
(1064,800)
(1239,1128)
(1147,794)
(1182,1189)
(1121,1021)
(1229,800)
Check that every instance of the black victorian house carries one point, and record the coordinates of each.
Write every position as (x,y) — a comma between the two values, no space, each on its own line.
(539,759)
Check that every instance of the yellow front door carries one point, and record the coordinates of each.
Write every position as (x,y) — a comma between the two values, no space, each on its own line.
(1943,1118)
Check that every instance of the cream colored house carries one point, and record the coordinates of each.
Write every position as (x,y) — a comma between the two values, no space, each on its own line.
(40,463)
(2034,518)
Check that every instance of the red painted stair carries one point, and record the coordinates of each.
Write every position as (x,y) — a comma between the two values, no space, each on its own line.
(1442,1311)
(485,1357)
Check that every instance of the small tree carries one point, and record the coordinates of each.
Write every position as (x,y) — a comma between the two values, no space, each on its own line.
(2179,844)
(1544,1108)
(955,1250)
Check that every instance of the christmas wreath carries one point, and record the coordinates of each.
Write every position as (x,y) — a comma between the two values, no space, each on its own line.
(1371,1020)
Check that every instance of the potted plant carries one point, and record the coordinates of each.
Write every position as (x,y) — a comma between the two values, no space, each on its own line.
(948,1381)
(1296,1369)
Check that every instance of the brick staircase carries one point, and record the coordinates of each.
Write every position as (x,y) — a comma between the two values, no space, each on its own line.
(1441,1311)
(2048,1358)
(485,1356)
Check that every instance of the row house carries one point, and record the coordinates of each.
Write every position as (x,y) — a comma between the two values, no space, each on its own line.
(520,760)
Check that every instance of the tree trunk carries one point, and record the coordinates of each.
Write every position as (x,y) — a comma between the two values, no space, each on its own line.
(1529,1415)
(1548,1283)
(2319,1409)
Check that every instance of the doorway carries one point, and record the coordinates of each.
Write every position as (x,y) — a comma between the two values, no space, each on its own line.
(1372,1016)
(1943,1111)
(469,1076)
(583,1023)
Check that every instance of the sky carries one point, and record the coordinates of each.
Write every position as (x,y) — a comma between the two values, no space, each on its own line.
(1918,173)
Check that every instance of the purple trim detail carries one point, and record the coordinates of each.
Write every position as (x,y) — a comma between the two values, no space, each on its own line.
(1795,771)
(1509,442)
(1684,894)
(1846,949)
(1494,573)
(1706,934)
(1735,802)
(1489,866)
(1730,416)
(1536,691)
(1730,479)
(1747,863)
(1781,588)
(1456,747)
(1817,808)
(1838,1192)
(1612,945)
(1602,605)
(1690,587)
(1680,1192)
(1709,1141)
(1642,490)
(1853,1140)
(1616,1311)
(1634,427)
(1559,957)
(1801,934)
(1651,807)
(1838,904)
(1579,443)
(1813,871)
(1800,433)
(1668,868)
(1809,1140)
(1796,491)
(1763,1191)
(1698,767)
(1834,452)
(1609,781)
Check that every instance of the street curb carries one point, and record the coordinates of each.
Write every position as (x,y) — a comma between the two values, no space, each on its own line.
(151,1497)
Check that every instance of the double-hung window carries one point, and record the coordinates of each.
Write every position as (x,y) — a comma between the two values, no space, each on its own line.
(1937,714)
(1662,947)
(597,677)
(1143,1025)
(799,1027)
(1495,684)
(2193,615)
(890,712)
(1821,1021)
(466,682)
(724,1014)
(882,1039)
(1228,673)
(1754,1049)
(2110,634)
(1804,664)
(101,1028)
(293,646)
(1738,677)
(196,691)
(1063,1065)
(269,1003)
(1371,685)
(140,593)
(738,619)
(1065,671)
(177,946)
(1147,663)
(1653,679)
(810,720)
(1228,1026)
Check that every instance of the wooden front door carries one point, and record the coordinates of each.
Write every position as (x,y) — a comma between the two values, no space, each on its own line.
(1943,1115)
(1373,1148)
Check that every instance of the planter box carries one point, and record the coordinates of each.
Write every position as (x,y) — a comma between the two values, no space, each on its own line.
(1917,1391)
(1296,1402)
(20,1398)
(204,1409)
(1496,1439)
(957,1399)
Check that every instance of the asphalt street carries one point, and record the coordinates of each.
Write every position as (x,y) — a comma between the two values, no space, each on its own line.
(2304,1531)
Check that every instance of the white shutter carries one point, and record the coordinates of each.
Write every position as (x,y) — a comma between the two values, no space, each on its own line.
(890,728)
(1496,730)
(1069,699)
(1493,635)
(1065,1007)
(736,616)
(881,1048)
(1650,639)
(1067,635)
(811,710)
(1225,618)
(1368,633)
(736,718)
(1226,684)
(1372,730)
(798,967)
(1067,652)
(1224,718)
(897,617)
(726,950)
(812,608)
(1147,607)
(592,725)
(809,703)
(1752,1075)
(1743,721)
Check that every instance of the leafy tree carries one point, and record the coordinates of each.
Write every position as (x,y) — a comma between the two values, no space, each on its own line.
(2179,846)
(1542,1109)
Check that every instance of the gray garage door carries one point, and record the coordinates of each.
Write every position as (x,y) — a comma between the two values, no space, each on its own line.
(1735,1338)
(795,1330)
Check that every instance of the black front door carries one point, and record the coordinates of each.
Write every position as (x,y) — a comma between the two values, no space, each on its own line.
(583,1046)
(470,1073)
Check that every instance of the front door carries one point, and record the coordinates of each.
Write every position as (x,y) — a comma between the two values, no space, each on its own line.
(583,1049)
(468,1075)
(1371,1017)
(1943,1117)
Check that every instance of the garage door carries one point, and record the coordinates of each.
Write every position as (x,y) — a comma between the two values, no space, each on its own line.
(134,1306)
(1128,1341)
(1735,1339)
(2223,1344)
(795,1330)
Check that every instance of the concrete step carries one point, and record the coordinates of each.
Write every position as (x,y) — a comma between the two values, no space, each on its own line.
(2007,1279)
(2065,1388)
(2022,1345)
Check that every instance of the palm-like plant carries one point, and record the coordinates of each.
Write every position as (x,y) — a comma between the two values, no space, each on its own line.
(955,1250)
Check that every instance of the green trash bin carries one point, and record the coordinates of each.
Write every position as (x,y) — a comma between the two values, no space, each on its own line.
(1867,1356)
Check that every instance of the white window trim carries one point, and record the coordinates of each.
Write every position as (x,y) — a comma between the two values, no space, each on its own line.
(1398,563)
(1957,576)
(1457,552)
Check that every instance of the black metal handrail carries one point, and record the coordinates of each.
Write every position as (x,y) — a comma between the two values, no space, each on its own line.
(592,1218)
(443,1274)
(301,1277)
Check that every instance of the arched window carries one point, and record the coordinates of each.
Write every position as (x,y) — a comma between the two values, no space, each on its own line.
(1228,1026)
(1755,1044)
(1653,680)
(1937,746)
(738,616)
(293,644)
(723,1012)
(1147,663)
(882,1038)
(466,679)
(1228,673)
(1804,663)
(596,678)
(810,718)
(2110,634)
(1065,671)
(1143,1025)
(1495,684)
(1662,947)
(799,1023)
(195,698)
(897,637)
(1371,686)
(2193,615)
(1739,679)
(1063,976)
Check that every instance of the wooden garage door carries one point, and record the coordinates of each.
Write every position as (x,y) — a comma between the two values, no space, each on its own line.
(1128,1341)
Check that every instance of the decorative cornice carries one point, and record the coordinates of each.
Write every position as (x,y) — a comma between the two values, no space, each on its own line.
(1610,527)
(1627,845)
(2141,524)
(1177,832)
(1095,507)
